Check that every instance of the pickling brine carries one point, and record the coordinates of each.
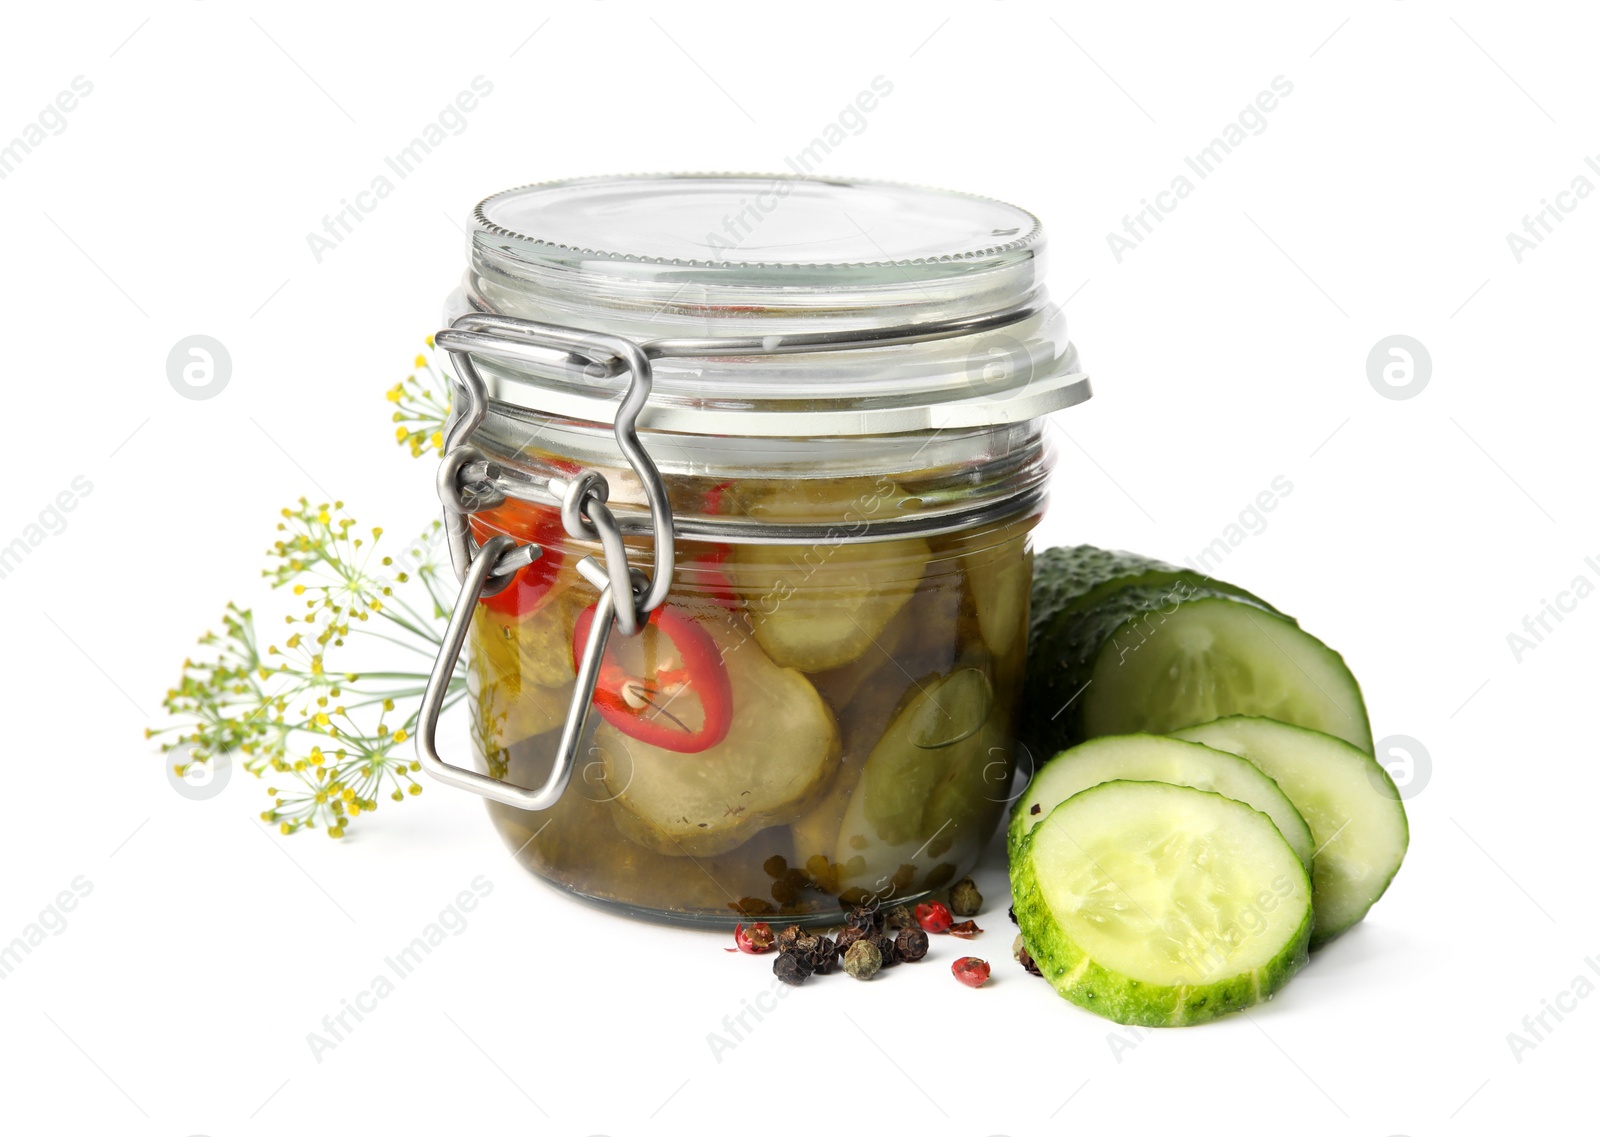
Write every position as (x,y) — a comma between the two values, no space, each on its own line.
(795,727)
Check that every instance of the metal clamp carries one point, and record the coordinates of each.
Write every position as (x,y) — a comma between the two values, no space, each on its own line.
(465,486)
(455,635)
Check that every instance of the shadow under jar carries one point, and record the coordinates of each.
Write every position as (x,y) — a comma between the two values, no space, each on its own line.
(837,391)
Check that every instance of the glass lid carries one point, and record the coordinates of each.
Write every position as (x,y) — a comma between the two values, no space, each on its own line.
(730,257)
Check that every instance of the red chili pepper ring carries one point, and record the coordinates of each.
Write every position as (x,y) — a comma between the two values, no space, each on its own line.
(684,663)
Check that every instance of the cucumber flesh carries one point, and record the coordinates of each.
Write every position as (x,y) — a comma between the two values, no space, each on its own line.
(1212,658)
(1159,905)
(1348,799)
(1154,758)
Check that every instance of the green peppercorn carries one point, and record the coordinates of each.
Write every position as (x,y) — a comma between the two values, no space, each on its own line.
(910,945)
(900,916)
(862,960)
(965,899)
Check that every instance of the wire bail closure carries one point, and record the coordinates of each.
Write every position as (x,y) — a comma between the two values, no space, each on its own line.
(627,596)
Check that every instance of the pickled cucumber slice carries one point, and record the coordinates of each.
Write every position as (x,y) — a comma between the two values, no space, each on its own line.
(822,607)
(1159,905)
(1348,799)
(1139,653)
(918,753)
(918,811)
(1154,758)
(866,695)
(1000,581)
(521,681)
(536,647)
(780,747)
(930,834)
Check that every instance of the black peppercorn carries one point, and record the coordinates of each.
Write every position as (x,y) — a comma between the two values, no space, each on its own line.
(1019,952)
(823,955)
(790,968)
(863,916)
(787,936)
(885,948)
(849,934)
(910,945)
(965,899)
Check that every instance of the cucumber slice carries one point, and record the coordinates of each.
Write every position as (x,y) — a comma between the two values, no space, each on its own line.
(920,752)
(899,838)
(1213,658)
(1149,657)
(1000,580)
(1154,758)
(918,811)
(1347,798)
(780,748)
(1159,905)
(820,609)
(1074,577)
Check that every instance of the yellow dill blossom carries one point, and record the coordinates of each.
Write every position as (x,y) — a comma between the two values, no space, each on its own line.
(274,718)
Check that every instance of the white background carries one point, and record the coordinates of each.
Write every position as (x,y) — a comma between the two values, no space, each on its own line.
(1230,347)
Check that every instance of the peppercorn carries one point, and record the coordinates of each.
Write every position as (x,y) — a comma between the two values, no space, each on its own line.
(785,938)
(823,955)
(812,952)
(863,916)
(970,970)
(910,945)
(862,960)
(966,929)
(885,946)
(1019,952)
(933,917)
(965,899)
(791,969)
(1011,911)
(755,939)
(900,916)
(848,935)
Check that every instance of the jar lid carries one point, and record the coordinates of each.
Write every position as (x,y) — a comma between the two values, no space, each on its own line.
(681,262)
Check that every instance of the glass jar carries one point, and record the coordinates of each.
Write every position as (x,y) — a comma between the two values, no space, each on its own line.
(777,445)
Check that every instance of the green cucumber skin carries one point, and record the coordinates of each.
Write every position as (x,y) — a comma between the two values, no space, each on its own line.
(1062,656)
(1075,976)
(1082,596)
(1068,578)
